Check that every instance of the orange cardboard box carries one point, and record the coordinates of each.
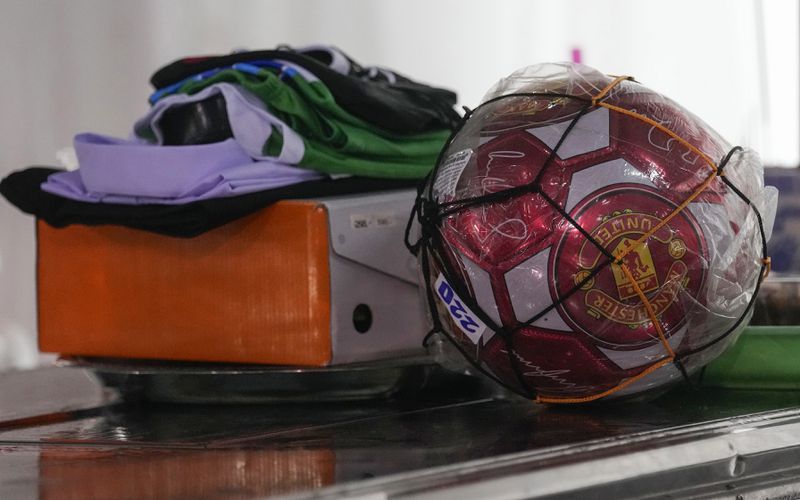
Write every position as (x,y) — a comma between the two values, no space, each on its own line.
(293,284)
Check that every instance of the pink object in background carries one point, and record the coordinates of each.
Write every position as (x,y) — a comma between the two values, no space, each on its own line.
(576,55)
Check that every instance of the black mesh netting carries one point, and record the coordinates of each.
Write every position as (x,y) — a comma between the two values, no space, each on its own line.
(433,211)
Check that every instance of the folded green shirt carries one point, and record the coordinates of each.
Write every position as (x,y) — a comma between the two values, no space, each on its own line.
(335,141)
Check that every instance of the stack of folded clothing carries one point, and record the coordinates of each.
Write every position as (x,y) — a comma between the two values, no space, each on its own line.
(228,134)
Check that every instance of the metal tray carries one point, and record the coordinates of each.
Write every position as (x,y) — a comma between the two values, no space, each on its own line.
(207,383)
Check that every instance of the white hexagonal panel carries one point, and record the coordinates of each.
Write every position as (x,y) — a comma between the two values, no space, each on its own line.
(530,294)
(589,134)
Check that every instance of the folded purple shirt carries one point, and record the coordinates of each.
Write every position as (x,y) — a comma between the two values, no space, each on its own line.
(121,171)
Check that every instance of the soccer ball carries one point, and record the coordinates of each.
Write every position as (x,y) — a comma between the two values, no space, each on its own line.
(580,242)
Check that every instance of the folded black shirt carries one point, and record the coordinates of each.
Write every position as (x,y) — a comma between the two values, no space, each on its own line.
(23,190)
(400,106)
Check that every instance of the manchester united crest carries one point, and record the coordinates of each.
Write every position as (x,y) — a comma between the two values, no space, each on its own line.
(633,253)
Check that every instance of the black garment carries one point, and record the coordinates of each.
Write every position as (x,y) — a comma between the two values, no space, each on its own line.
(202,122)
(22,189)
(405,106)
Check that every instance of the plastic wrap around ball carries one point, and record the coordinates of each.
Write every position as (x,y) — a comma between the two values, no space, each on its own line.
(584,237)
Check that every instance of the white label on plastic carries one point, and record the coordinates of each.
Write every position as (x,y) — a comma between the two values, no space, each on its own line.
(368,221)
(450,172)
(466,320)
(384,220)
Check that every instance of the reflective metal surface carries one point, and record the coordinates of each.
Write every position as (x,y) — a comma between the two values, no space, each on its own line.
(453,437)
(184,382)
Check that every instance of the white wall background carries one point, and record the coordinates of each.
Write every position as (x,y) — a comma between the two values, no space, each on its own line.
(68,66)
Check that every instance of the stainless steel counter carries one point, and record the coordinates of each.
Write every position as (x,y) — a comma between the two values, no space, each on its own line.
(63,435)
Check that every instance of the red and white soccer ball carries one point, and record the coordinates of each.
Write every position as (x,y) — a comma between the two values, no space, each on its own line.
(506,261)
